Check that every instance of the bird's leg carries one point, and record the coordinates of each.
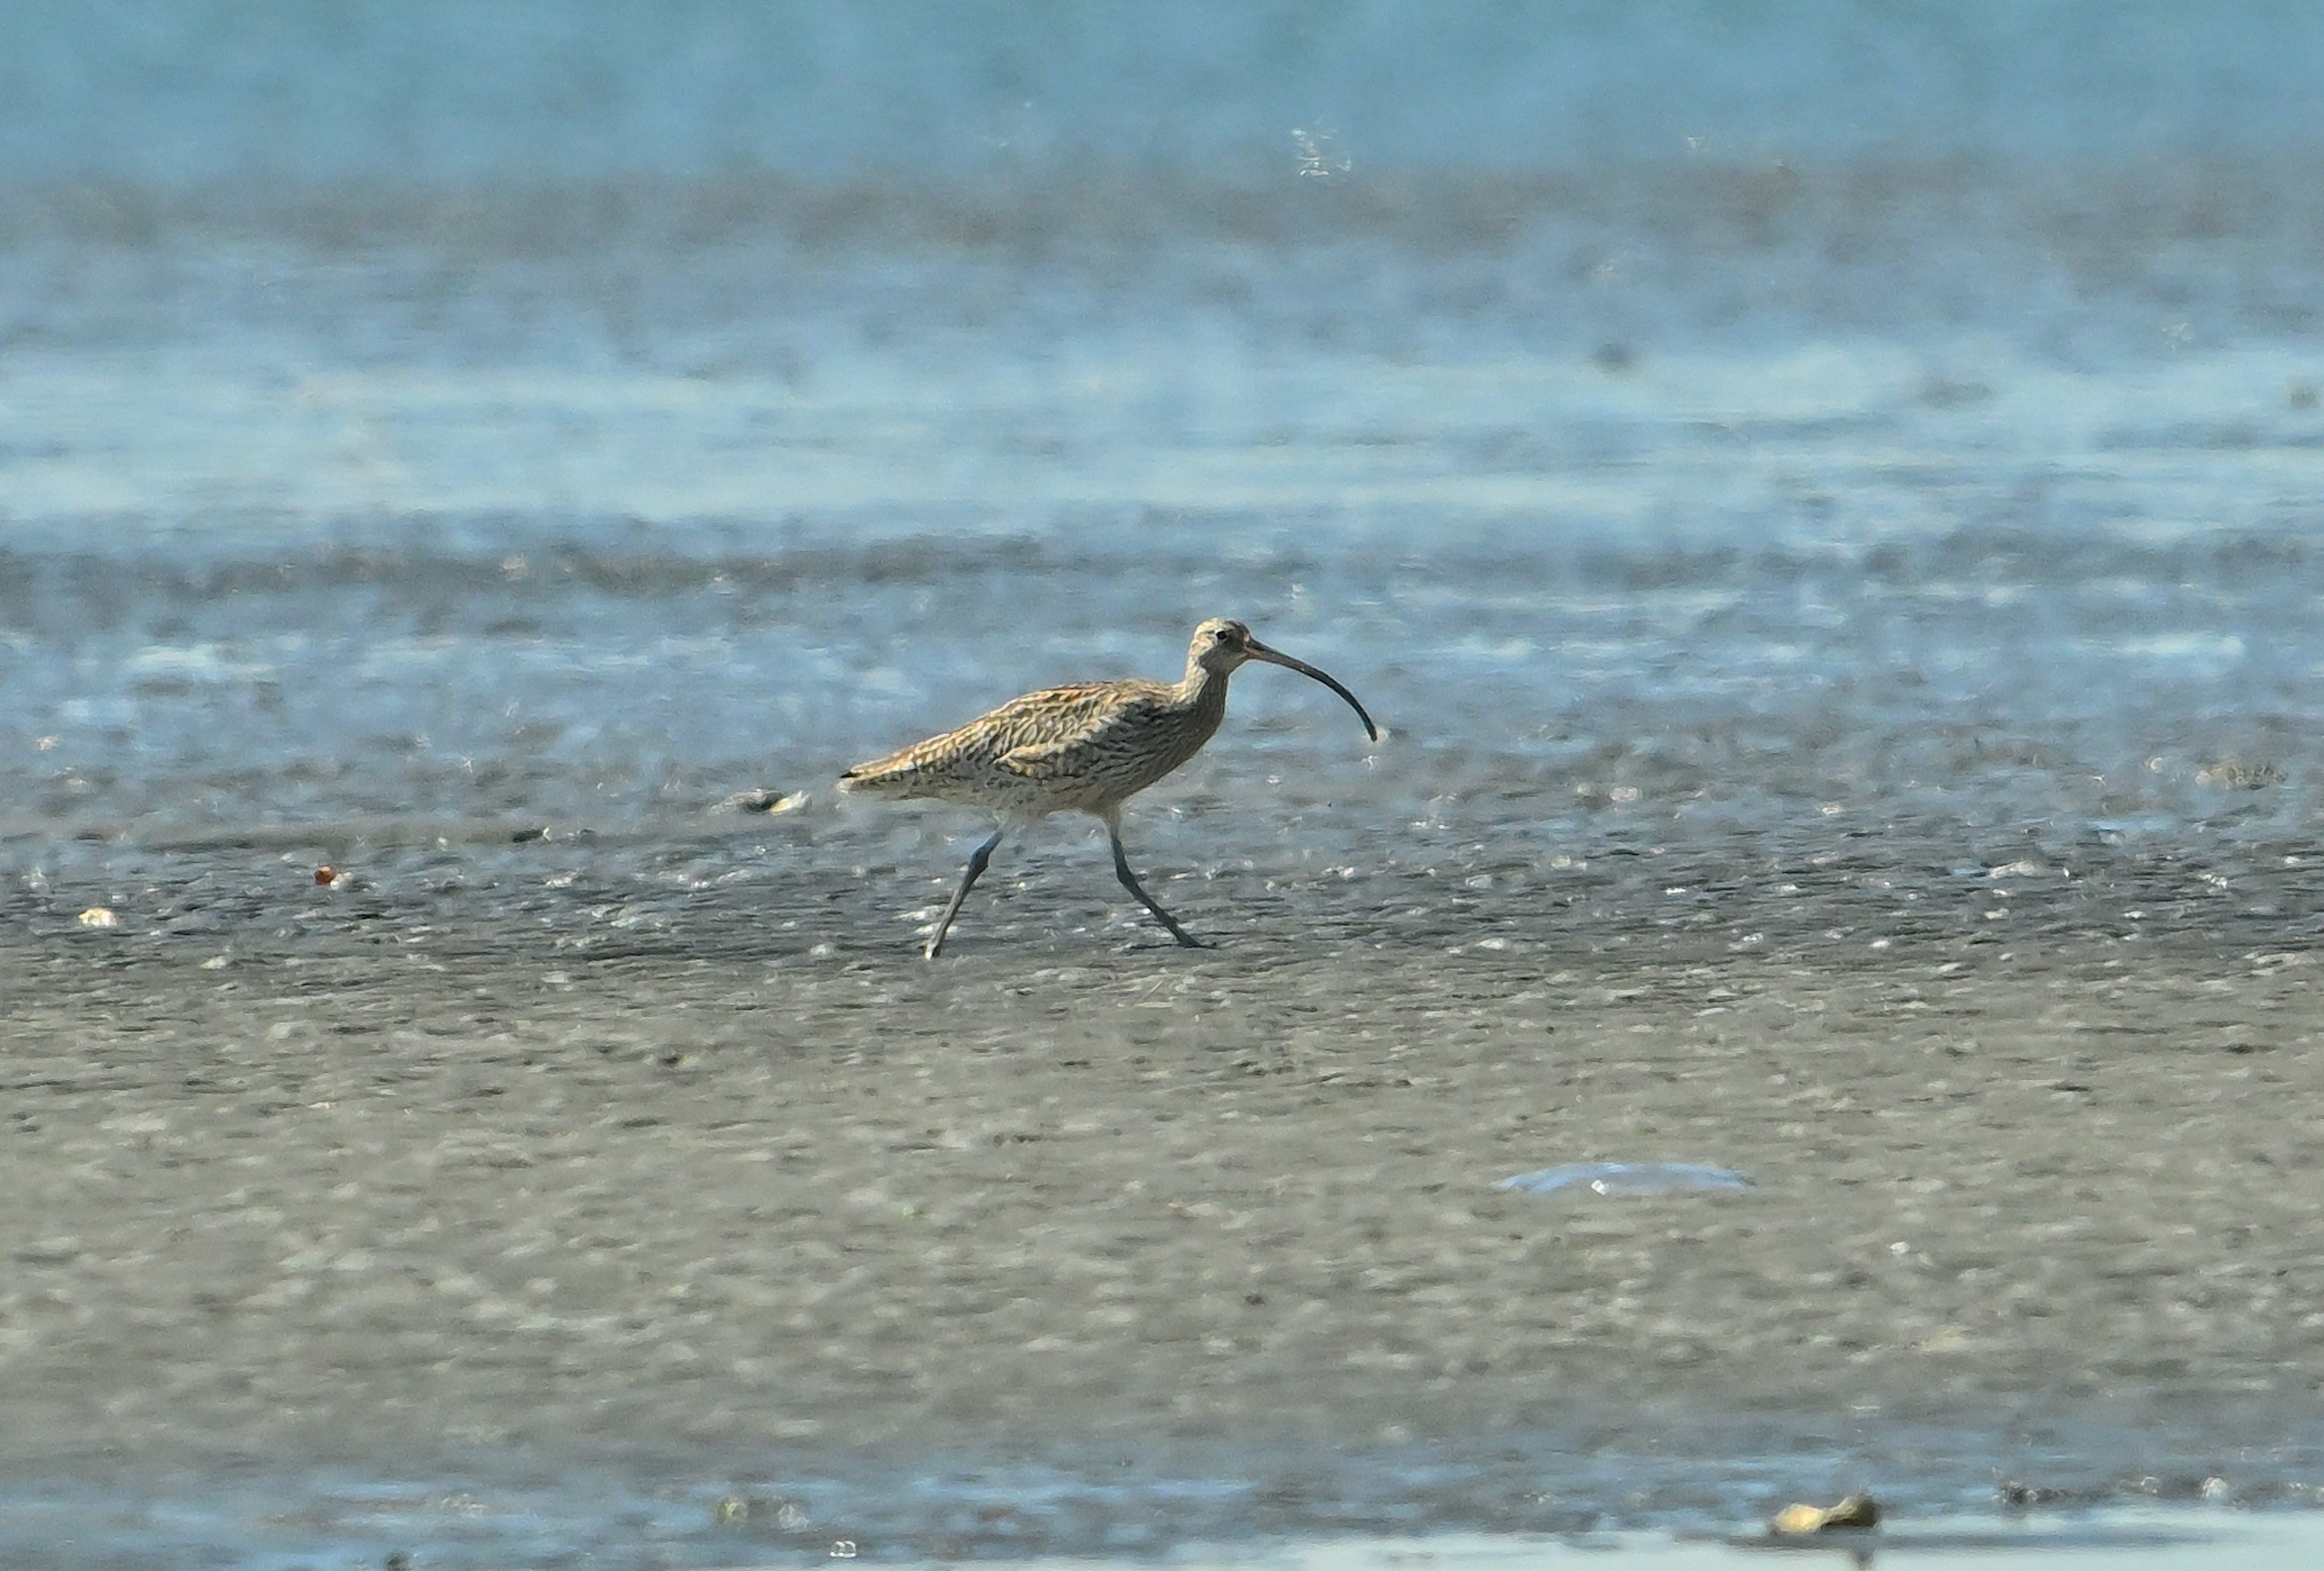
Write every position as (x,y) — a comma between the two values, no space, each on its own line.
(1130,882)
(969,875)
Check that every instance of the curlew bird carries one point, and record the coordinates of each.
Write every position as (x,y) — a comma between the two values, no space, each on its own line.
(1082,749)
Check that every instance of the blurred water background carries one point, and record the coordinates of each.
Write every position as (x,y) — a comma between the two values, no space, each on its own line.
(1664,414)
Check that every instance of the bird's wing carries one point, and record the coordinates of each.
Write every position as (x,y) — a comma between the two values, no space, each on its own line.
(1041,761)
(1076,734)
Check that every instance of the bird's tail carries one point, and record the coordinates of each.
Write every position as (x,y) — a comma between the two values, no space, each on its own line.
(892,776)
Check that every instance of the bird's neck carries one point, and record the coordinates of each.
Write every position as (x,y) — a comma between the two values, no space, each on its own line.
(1203,688)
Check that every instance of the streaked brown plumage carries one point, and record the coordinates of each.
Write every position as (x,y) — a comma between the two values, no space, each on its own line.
(1082,749)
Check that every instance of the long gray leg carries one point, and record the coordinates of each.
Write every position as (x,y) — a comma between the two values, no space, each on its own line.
(968,877)
(1130,882)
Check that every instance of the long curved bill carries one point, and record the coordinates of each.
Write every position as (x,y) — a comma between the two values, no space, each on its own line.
(1278,658)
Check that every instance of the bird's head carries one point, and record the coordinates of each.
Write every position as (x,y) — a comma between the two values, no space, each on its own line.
(1220,645)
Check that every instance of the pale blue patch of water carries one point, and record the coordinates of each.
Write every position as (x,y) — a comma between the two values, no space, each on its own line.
(2171,1540)
(1623,1179)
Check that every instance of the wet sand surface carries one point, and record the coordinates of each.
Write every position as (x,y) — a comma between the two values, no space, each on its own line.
(446,1164)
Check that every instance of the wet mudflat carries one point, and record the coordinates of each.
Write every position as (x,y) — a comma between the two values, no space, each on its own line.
(464,1159)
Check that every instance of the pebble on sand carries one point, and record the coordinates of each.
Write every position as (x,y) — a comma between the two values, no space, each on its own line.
(1858,1511)
(769,802)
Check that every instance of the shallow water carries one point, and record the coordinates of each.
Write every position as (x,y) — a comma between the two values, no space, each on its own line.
(1387,1512)
(1869,606)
